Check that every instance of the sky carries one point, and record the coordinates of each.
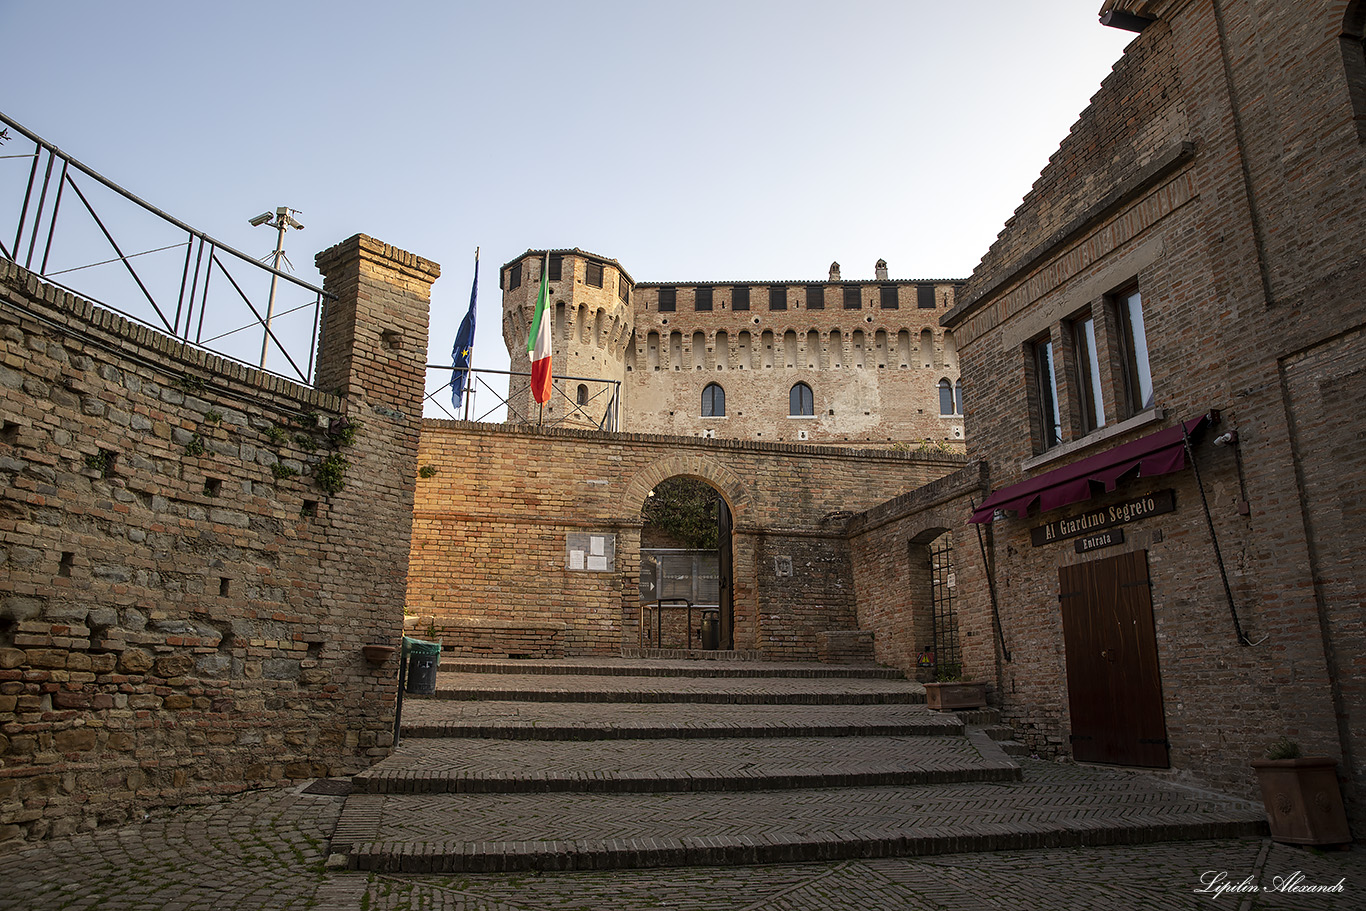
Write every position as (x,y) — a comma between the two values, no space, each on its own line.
(701,141)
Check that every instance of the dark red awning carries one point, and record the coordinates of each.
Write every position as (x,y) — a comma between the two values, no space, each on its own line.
(1156,454)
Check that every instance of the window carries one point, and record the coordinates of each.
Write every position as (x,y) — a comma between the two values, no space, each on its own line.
(623,289)
(1046,394)
(1091,409)
(924,297)
(515,277)
(945,397)
(815,297)
(739,297)
(852,298)
(1138,378)
(713,401)
(958,397)
(582,397)
(777,297)
(668,299)
(887,295)
(800,402)
(702,301)
(592,274)
(556,266)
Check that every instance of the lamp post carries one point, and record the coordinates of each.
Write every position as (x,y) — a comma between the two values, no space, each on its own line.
(281,220)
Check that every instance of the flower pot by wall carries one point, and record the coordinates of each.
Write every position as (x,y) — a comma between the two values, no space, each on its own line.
(1303,802)
(946,696)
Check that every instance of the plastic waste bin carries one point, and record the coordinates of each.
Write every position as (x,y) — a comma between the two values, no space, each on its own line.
(423,659)
(711,629)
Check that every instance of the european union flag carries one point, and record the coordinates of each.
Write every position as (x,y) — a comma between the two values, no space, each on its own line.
(464,344)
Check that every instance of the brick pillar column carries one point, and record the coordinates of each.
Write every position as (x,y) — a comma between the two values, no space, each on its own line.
(373,355)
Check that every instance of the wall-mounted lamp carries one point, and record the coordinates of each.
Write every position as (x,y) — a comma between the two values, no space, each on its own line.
(1227,439)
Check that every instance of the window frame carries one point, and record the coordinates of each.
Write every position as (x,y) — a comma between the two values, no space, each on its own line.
(1045,396)
(853,293)
(514,276)
(666,300)
(556,266)
(703,294)
(1087,379)
(777,297)
(739,297)
(815,297)
(1133,351)
(888,298)
(801,401)
(591,270)
(709,402)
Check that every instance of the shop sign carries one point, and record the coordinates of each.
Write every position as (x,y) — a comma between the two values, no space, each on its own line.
(1153,504)
(1107,538)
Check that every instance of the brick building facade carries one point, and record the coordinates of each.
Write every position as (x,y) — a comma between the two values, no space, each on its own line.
(1189,258)
(834,362)
(182,608)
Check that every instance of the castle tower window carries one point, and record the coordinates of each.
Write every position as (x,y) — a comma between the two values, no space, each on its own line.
(887,294)
(623,289)
(713,401)
(515,277)
(582,397)
(853,299)
(800,402)
(739,297)
(593,274)
(702,299)
(556,265)
(668,299)
(924,297)
(958,397)
(815,297)
(946,397)
(777,297)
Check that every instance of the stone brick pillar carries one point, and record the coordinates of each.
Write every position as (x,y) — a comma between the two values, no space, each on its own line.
(373,353)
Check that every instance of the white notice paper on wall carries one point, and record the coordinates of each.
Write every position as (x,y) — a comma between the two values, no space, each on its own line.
(597,546)
(597,564)
(576,559)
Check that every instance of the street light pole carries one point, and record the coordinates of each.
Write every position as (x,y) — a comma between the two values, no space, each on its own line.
(281,220)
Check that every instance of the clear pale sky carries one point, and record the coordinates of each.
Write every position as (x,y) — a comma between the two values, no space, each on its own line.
(702,140)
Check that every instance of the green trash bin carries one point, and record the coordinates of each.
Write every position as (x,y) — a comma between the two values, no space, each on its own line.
(423,659)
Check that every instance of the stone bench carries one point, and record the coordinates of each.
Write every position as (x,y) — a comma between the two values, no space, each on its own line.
(477,637)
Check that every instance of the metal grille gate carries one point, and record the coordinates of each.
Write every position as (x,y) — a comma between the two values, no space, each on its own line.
(943,586)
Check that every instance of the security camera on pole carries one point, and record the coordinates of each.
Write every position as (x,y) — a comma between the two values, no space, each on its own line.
(281,220)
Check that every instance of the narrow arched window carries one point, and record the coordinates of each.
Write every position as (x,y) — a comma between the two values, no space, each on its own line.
(945,397)
(713,401)
(958,397)
(800,402)
(583,394)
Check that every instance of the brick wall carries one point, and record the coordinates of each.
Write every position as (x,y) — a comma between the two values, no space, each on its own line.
(490,527)
(1220,168)
(182,608)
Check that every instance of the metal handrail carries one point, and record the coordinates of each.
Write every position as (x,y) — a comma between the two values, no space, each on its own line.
(202,254)
(659,604)
(475,379)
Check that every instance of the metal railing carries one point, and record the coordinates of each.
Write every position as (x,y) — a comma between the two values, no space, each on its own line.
(601,408)
(117,247)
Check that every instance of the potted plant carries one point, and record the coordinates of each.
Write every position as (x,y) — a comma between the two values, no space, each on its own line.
(950,691)
(1301,795)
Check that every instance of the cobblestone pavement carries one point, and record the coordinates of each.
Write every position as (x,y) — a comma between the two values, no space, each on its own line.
(264,850)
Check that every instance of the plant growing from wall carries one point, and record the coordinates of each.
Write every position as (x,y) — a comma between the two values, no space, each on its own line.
(282,471)
(331,473)
(196,445)
(101,461)
(342,431)
(427,471)
(213,417)
(276,434)
(305,442)
(684,509)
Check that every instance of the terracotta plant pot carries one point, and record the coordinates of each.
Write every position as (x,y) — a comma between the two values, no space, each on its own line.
(1303,802)
(377,654)
(949,695)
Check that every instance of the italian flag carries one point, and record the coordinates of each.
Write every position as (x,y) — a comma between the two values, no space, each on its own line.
(538,342)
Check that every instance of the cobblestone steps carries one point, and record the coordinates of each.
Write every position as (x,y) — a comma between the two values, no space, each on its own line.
(713,668)
(572,769)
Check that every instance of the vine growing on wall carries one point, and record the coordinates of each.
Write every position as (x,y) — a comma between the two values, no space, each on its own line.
(684,509)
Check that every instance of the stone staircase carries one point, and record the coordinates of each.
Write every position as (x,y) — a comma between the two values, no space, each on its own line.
(595,764)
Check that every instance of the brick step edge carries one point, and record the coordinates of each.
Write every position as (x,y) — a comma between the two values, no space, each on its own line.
(639,853)
(838,672)
(408,782)
(931,727)
(646,696)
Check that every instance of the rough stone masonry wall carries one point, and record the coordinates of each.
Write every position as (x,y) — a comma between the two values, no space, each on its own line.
(490,525)
(182,608)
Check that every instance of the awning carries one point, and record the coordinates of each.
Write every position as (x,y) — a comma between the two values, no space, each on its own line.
(1156,454)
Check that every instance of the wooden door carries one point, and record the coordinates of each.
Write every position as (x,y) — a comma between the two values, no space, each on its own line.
(1113,685)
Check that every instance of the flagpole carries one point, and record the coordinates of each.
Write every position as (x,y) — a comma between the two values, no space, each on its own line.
(469,388)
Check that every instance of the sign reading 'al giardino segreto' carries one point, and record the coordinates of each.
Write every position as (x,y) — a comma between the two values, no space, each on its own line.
(1152,504)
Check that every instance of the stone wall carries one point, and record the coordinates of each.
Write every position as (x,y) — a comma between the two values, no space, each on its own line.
(182,607)
(493,518)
